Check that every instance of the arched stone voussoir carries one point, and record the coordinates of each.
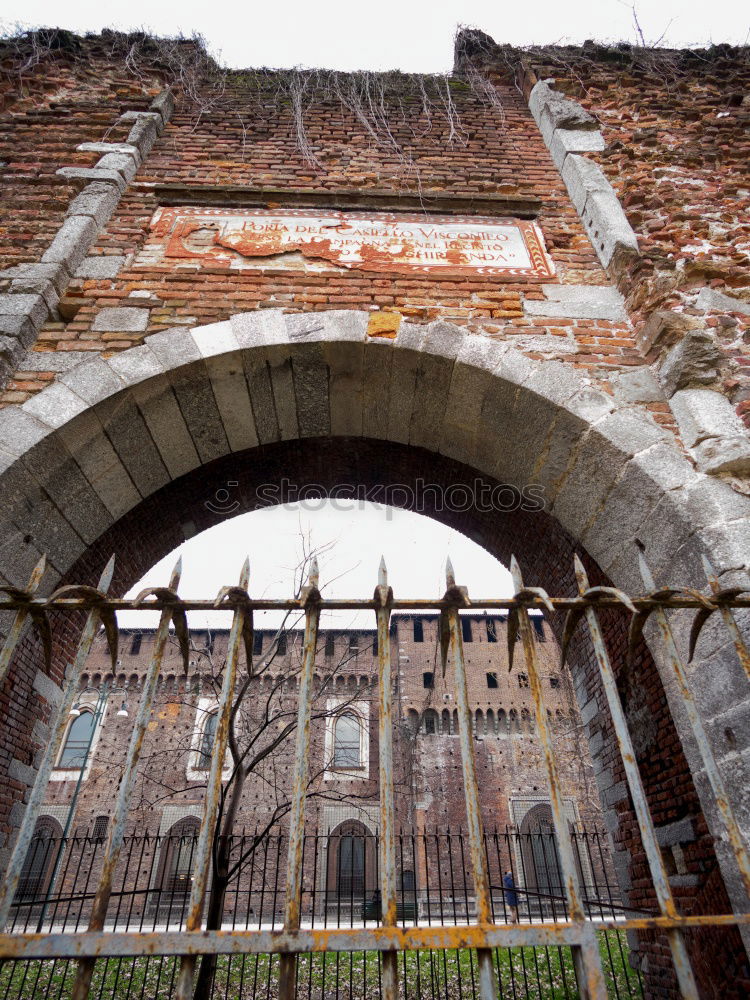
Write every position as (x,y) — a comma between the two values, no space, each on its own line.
(187,397)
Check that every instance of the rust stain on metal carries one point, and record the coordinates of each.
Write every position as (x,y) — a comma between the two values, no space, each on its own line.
(310,600)
(458,597)
(586,961)
(663,890)
(383,598)
(85,971)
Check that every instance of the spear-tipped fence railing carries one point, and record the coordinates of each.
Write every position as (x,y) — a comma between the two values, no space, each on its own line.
(484,929)
(433,887)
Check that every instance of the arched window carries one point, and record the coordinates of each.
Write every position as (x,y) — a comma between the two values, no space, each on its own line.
(490,722)
(430,722)
(445,725)
(502,722)
(39,860)
(77,741)
(208,735)
(346,743)
(177,859)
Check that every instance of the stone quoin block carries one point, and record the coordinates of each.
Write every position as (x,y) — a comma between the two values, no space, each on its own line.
(143,135)
(154,117)
(11,352)
(694,360)
(100,176)
(607,226)
(565,141)
(125,148)
(562,112)
(97,200)
(20,329)
(123,163)
(164,105)
(26,276)
(24,306)
(72,242)
(582,177)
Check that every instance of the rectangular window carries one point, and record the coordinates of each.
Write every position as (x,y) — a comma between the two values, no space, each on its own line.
(418,630)
(330,644)
(135,645)
(491,630)
(257,643)
(466,629)
(554,682)
(539,627)
(353,644)
(281,648)
(523,681)
(100,827)
(428,679)
(375,644)
(492,680)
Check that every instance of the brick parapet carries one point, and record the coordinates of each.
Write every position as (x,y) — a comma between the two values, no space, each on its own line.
(36,272)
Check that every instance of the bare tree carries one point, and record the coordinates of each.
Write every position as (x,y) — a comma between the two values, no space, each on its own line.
(263,723)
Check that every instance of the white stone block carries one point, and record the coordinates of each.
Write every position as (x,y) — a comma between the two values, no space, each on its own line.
(703,413)
(217,338)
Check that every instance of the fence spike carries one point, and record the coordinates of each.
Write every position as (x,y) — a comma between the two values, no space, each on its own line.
(725,595)
(382,573)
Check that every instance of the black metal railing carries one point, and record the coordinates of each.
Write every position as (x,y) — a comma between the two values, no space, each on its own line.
(340,888)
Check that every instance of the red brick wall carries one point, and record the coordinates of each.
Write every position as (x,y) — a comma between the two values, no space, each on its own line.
(246,143)
(73,94)
(675,125)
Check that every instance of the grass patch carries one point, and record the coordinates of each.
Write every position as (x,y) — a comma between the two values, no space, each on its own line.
(523,974)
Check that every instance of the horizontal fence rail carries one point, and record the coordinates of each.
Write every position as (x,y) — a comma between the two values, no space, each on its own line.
(426,913)
(434,889)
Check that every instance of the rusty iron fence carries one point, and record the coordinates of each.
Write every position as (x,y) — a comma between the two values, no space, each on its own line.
(291,947)
(434,888)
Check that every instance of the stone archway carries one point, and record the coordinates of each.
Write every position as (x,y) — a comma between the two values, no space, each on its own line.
(135,452)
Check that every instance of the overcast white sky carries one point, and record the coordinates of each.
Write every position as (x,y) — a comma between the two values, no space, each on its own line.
(411,35)
(357,534)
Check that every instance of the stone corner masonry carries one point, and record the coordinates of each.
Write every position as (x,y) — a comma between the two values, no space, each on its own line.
(35,289)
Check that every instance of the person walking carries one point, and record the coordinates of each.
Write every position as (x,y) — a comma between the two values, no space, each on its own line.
(511,896)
